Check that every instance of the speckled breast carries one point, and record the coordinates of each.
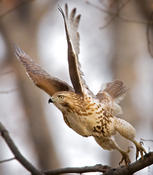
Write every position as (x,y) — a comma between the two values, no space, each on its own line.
(92,120)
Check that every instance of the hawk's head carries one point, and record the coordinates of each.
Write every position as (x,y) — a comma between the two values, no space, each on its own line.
(65,101)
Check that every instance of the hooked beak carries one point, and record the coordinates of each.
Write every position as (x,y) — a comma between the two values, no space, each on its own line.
(50,101)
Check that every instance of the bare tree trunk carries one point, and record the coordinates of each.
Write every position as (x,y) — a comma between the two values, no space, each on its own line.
(24,33)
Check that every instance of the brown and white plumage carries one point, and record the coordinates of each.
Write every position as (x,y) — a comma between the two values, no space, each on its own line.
(71,23)
(84,112)
(39,76)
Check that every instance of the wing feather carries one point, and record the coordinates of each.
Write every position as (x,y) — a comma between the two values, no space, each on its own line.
(71,23)
(115,90)
(39,76)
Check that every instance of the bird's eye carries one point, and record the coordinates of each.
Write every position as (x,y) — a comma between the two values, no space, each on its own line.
(60,96)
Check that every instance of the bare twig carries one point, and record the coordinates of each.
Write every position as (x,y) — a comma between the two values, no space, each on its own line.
(7,160)
(126,19)
(113,14)
(108,23)
(8,91)
(100,8)
(148,140)
(6,73)
(149,27)
(16,152)
(86,169)
(116,15)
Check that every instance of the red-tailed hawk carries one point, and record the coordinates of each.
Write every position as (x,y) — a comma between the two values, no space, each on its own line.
(84,112)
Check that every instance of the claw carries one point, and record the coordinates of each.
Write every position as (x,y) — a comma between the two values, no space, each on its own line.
(139,149)
(125,157)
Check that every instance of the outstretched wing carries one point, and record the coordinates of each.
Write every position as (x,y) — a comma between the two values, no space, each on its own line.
(113,90)
(39,76)
(71,23)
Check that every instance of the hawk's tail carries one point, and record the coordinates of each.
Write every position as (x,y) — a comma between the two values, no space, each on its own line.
(115,89)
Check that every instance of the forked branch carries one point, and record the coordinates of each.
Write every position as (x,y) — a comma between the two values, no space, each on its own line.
(16,152)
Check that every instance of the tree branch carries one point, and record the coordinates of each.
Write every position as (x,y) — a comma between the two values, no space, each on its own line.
(114,15)
(7,160)
(16,152)
(106,170)
(86,169)
(133,167)
(6,73)
(126,170)
(8,91)
(149,34)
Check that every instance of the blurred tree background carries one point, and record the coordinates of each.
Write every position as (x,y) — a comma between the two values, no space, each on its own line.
(116,43)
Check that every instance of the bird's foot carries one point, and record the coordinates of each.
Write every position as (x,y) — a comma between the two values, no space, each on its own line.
(125,157)
(139,149)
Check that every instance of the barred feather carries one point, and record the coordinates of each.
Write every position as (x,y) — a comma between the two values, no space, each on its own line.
(116,90)
(71,23)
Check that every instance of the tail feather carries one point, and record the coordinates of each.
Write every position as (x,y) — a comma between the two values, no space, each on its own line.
(116,90)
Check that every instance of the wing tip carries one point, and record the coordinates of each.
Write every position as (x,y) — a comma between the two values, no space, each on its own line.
(116,88)
(65,15)
(19,53)
(73,12)
(61,10)
(78,17)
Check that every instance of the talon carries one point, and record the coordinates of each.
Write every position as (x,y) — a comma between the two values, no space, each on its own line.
(137,153)
(121,161)
(139,149)
(125,157)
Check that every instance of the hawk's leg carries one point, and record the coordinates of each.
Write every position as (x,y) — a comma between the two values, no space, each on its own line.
(128,131)
(139,149)
(110,144)
(125,156)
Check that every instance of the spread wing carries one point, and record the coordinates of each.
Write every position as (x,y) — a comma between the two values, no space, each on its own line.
(39,76)
(71,23)
(113,90)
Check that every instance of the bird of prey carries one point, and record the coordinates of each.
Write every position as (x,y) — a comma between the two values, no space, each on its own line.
(86,113)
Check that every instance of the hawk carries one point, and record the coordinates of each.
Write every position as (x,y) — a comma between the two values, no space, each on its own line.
(86,113)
